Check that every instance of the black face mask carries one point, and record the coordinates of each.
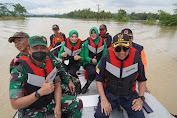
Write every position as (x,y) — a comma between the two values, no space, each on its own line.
(39,56)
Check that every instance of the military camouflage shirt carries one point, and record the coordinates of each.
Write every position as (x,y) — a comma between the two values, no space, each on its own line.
(13,60)
(19,76)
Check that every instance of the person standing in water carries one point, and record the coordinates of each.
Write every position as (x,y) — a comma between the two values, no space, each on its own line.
(94,48)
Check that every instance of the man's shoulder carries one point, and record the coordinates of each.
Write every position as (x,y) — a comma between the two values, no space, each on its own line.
(108,35)
(137,46)
(18,68)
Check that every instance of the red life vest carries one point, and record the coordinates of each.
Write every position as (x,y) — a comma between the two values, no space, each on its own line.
(35,78)
(72,50)
(95,50)
(121,75)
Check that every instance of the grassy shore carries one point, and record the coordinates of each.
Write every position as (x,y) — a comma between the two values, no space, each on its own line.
(11,18)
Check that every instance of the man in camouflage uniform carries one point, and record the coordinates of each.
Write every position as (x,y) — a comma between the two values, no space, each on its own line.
(21,42)
(22,101)
(70,85)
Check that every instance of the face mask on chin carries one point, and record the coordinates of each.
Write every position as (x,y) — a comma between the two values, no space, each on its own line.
(102,33)
(39,56)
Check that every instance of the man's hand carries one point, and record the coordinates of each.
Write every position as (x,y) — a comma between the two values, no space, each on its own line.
(77,57)
(94,60)
(57,111)
(106,107)
(64,54)
(137,104)
(46,88)
(71,86)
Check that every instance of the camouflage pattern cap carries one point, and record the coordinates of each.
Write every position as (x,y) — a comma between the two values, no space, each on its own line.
(18,35)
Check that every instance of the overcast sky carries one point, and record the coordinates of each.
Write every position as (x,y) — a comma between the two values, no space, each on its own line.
(65,6)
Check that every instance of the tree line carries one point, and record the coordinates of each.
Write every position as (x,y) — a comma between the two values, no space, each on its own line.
(164,18)
(11,9)
(88,14)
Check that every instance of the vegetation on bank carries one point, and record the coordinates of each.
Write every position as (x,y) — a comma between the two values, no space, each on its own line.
(10,11)
(163,17)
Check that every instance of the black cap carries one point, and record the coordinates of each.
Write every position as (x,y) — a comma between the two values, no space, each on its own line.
(121,39)
(55,27)
(102,27)
(127,31)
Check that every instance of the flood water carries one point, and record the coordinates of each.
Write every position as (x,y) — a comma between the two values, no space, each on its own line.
(160,45)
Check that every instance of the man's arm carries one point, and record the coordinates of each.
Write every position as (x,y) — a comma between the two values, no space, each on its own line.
(25,101)
(143,58)
(58,94)
(141,88)
(138,103)
(105,105)
(51,44)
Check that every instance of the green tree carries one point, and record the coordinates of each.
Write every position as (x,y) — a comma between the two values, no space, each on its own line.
(19,10)
(167,19)
(121,16)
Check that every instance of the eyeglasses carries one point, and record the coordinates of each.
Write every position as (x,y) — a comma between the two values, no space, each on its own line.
(125,49)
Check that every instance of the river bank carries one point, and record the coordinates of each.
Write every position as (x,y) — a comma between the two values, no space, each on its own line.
(11,18)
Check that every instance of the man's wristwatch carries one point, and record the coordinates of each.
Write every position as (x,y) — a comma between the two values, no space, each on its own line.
(37,95)
(142,97)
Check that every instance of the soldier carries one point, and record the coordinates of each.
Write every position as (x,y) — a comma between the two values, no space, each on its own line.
(70,85)
(21,42)
(35,84)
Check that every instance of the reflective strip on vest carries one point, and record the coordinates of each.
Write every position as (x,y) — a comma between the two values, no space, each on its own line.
(113,69)
(93,50)
(38,80)
(67,50)
(129,70)
(100,49)
(70,52)
(76,51)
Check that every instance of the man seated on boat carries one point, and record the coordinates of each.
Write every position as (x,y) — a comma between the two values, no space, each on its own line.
(21,42)
(106,36)
(56,39)
(94,48)
(71,53)
(116,79)
(138,47)
(35,88)
(69,83)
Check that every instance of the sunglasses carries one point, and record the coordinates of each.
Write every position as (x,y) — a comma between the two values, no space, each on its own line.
(125,49)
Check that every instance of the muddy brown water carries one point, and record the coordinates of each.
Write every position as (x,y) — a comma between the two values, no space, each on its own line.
(160,45)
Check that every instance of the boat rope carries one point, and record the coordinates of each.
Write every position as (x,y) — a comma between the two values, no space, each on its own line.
(15,114)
